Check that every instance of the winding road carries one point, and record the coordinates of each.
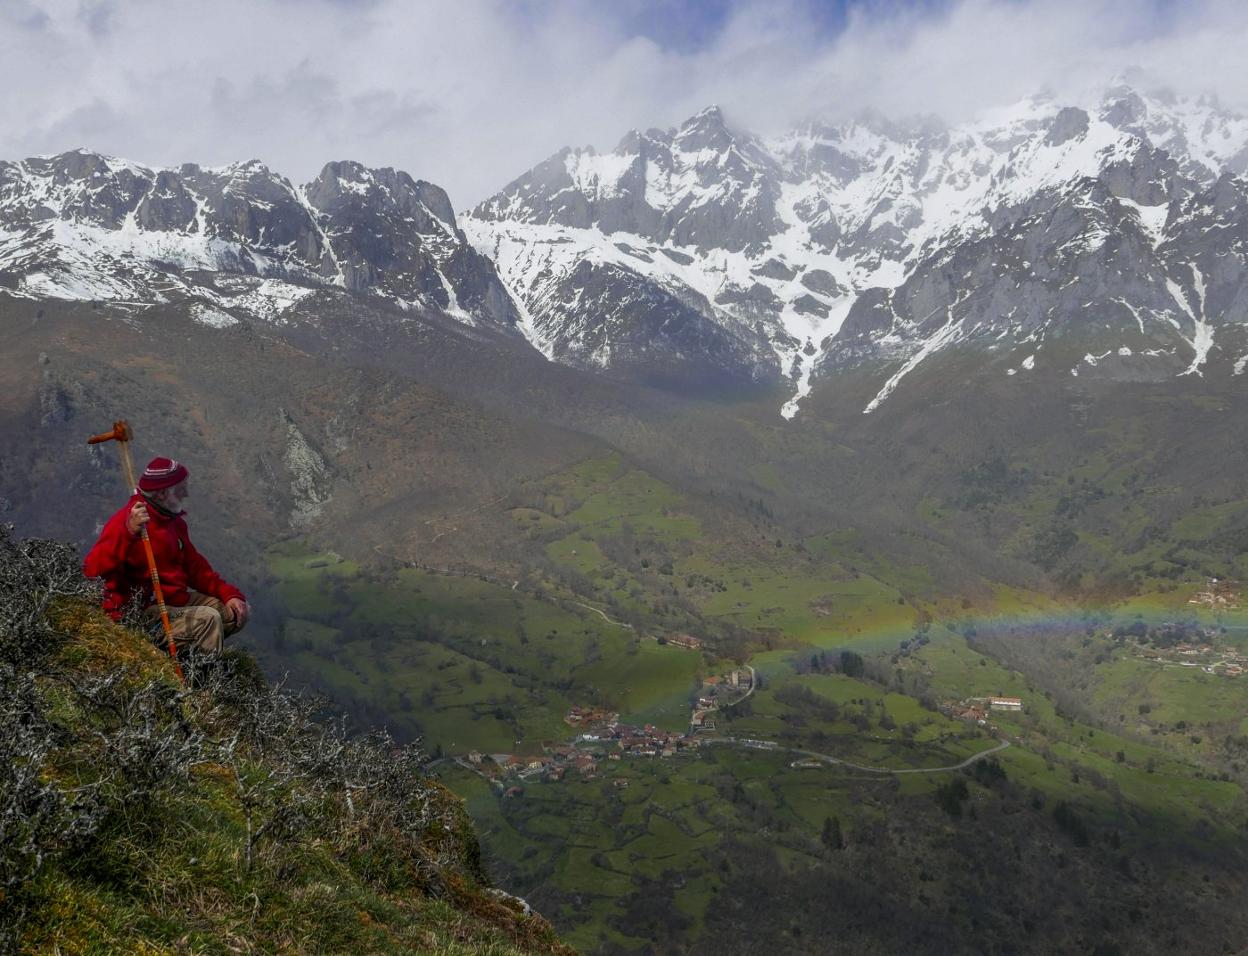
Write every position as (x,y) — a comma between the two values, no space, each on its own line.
(480,576)
(770,745)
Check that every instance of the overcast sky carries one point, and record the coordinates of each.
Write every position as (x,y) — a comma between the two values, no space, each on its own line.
(470,93)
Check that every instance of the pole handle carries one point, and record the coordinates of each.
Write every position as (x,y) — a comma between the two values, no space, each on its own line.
(159,594)
(121,432)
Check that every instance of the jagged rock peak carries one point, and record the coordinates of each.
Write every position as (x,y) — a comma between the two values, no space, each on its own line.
(350,181)
(705,130)
(80,225)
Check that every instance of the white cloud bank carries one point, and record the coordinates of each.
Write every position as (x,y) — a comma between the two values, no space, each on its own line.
(470,93)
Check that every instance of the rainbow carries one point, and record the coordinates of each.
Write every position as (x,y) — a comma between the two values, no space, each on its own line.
(1023,621)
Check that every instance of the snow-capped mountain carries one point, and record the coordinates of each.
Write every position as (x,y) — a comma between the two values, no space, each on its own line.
(237,240)
(642,227)
(1107,240)
(880,244)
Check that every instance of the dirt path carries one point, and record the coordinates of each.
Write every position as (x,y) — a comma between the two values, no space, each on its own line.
(603,614)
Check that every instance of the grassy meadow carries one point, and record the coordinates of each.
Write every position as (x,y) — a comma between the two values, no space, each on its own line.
(620,561)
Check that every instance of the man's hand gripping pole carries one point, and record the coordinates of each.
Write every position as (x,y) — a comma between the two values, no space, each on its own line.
(122,435)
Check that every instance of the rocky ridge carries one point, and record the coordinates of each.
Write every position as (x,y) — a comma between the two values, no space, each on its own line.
(878,244)
(237,241)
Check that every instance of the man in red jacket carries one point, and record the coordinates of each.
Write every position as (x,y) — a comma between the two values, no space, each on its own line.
(203,608)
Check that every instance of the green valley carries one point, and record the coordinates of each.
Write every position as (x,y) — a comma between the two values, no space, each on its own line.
(836,757)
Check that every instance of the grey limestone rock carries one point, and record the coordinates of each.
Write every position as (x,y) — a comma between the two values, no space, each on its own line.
(310,479)
(397,235)
(821,281)
(627,324)
(1070,123)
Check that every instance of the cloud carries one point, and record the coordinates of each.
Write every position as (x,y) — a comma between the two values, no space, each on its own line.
(470,93)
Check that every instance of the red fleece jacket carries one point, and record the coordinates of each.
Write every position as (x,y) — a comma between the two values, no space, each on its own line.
(118,558)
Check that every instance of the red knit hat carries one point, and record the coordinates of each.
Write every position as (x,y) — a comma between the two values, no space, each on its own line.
(162,473)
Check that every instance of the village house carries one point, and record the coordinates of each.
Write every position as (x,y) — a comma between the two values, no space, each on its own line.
(962,711)
(1005,703)
(531,769)
(1218,593)
(589,716)
(687,641)
(509,763)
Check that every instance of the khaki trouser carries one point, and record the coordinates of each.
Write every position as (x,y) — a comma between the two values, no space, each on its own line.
(202,624)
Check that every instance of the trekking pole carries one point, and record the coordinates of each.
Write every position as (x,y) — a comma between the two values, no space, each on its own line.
(122,435)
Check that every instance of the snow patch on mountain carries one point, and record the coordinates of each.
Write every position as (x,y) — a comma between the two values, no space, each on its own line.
(266,298)
(1152,218)
(947,334)
(1202,334)
(802,360)
(597,174)
(212,317)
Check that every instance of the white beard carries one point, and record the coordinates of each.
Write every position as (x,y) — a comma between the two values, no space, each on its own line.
(167,502)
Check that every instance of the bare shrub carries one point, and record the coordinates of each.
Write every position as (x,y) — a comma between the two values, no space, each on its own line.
(89,754)
(33,575)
